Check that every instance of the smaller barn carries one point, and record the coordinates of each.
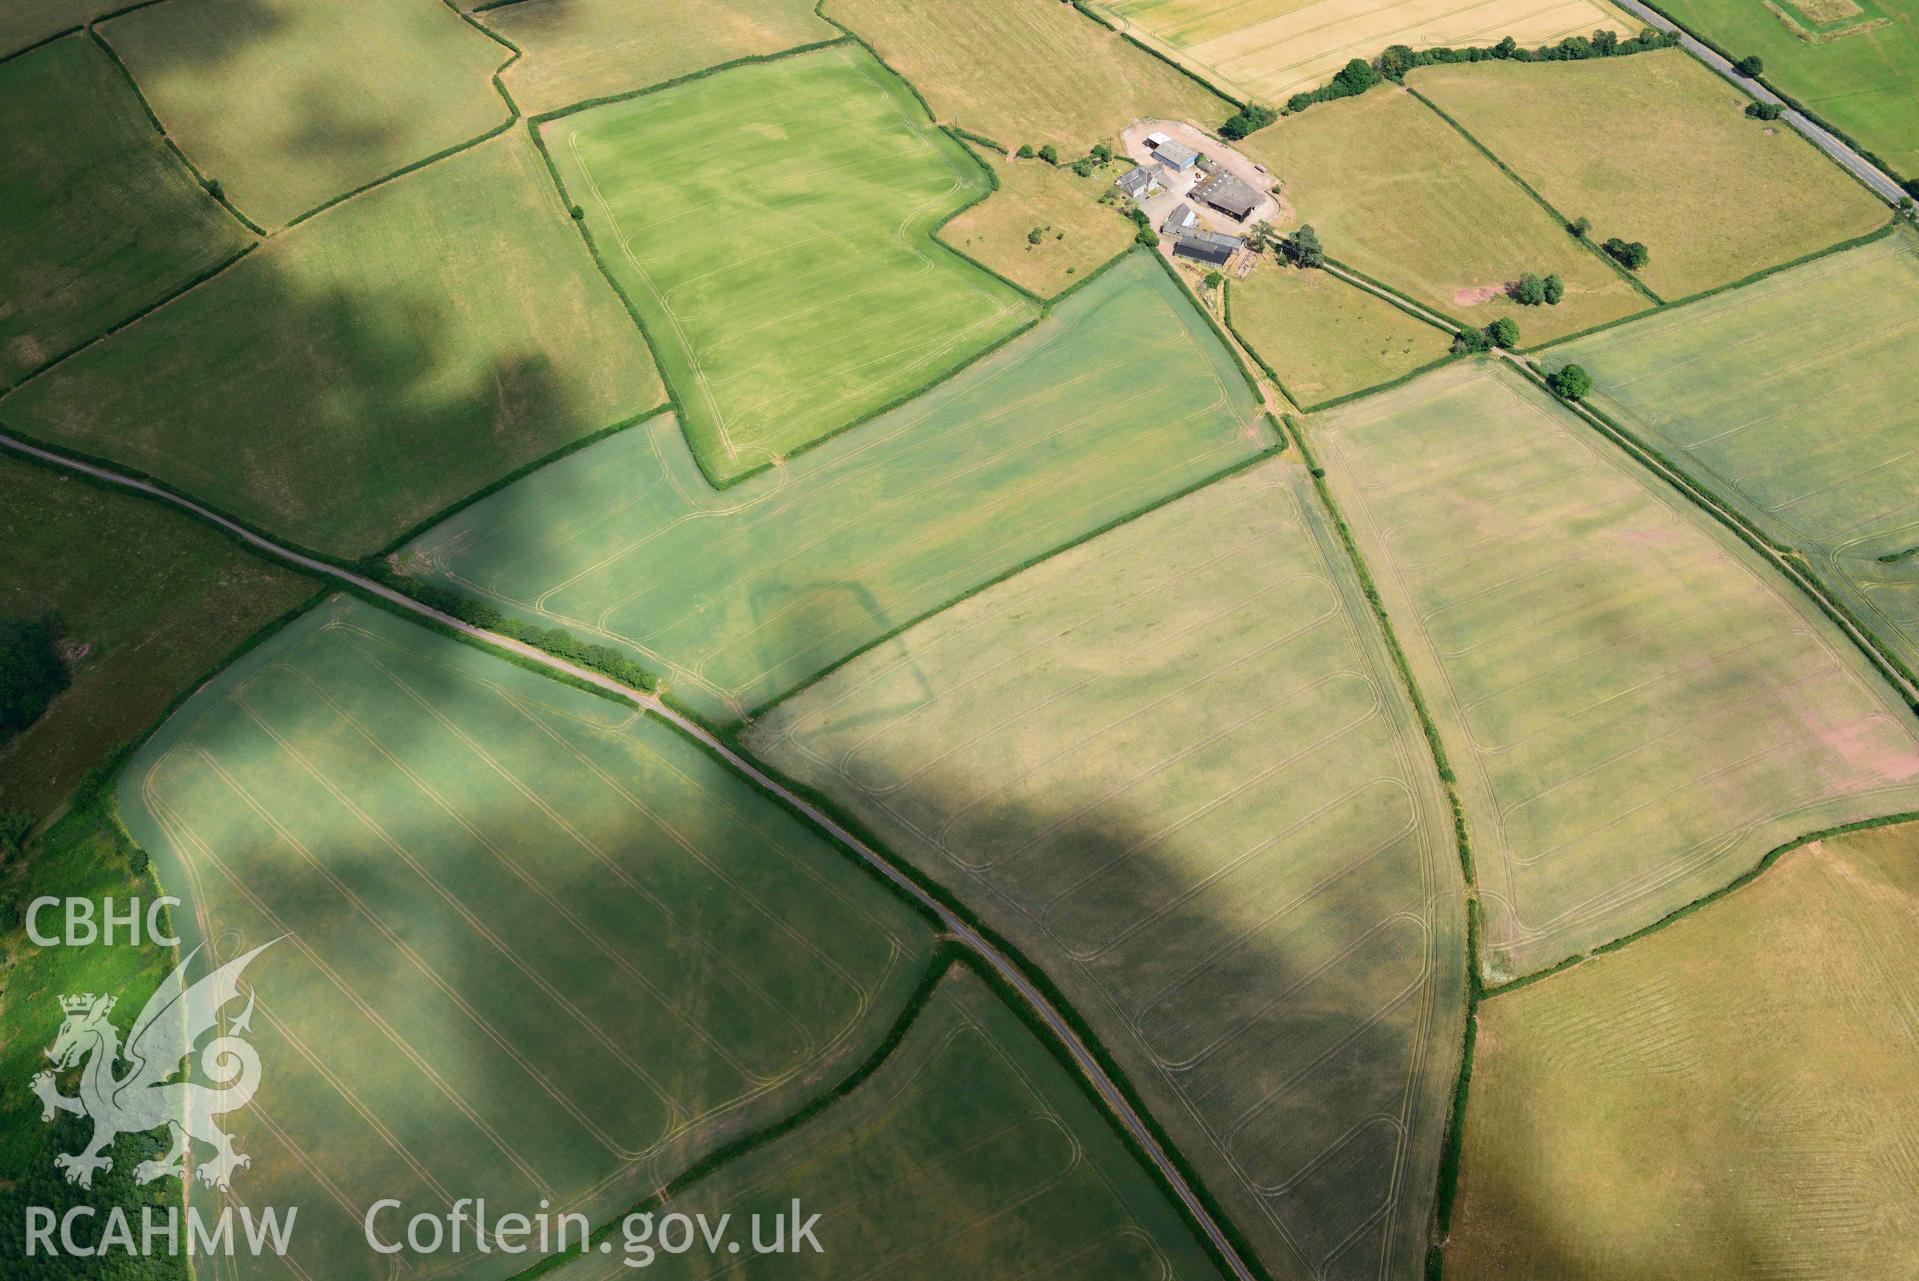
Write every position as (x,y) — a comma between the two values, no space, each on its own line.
(1176,156)
(1180,221)
(1210,247)
(1227,194)
(1138,182)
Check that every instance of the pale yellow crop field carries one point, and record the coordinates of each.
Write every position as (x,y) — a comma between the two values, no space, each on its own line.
(1269,49)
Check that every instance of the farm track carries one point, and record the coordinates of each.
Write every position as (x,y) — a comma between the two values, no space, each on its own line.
(1057,1024)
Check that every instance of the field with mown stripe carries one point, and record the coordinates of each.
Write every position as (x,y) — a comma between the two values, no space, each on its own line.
(1121,397)
(1271,49)
(358,373)
(1395,192)
(1714,194)
(1024,72)
(95,223)
(790,281)
(1324,337)
(969,1154)
(1637,707)
(579,49)
(532,944)
(1793,400)
(1729,1098)
(290,103)
(1853,62)
(148,602)
(1173,765)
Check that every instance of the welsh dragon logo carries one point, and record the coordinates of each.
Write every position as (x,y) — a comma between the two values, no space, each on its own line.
(169,1027)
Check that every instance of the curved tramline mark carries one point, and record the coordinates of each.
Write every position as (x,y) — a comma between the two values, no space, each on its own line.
(1003,966)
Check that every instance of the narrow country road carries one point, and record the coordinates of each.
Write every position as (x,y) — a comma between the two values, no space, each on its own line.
(1857,165)
(1011,973)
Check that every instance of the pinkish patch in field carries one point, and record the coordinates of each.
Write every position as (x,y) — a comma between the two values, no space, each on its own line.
(1862,741)
(1473,295)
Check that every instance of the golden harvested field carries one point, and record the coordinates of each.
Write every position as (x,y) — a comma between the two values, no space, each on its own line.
(1714,194)
(1026,70)
(1270,49)
(1732,1097)
(1078,235)
(1324,337)
(1397,193)
(579,49)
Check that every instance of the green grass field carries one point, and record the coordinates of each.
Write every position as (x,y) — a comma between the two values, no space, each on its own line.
(536,944)
(1637,708)
(790,280)
(1395,192)
(290,103)
(1792,399)
(969,1154)
(1121,397)
(30,21)
(1078,235)
(1173,765)
(1023,72)
(149,601)
(95,223)
(1860,71)
(579,49)
(359,373)
(1324,337)
(1732,1097)
(1714,194)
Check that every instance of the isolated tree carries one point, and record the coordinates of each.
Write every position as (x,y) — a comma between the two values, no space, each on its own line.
(1580,226)
(1260,234)
(1765,110)
(1555,289)
(1025,151)
(1530,291)
(1570,382)
(1303,249)
(1750,66)
(1215,279)
(1470,340)
(1504,332)
(1036,235)
(1049,154)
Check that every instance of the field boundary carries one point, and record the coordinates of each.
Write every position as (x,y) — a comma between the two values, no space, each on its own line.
(797,800)
(1791,563)
(1218,91)
(1856,242)
(1565,223)
(214,192)
(1451,1146)
(1226,304)
(1407,303)
(894,633)
(1765,863)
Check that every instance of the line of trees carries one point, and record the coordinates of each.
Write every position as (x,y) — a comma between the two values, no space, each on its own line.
(1357,76)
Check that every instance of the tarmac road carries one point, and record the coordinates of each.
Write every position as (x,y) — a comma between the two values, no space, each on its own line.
(1013,975)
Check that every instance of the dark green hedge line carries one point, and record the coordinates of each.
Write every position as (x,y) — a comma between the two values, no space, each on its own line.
(1405,302)
(1044,984)
(944,959)
(471,610)
(1232,348)
(1388,385)
(967,135)
(1740,882)
(213,189)
(1359,75)
(1790,562)
(1452,1145)
(41,43)
(1866,239)
(1618,268)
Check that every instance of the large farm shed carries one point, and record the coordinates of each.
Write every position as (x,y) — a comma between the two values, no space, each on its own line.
(1227,194)
(1207,246)
(1176,155)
